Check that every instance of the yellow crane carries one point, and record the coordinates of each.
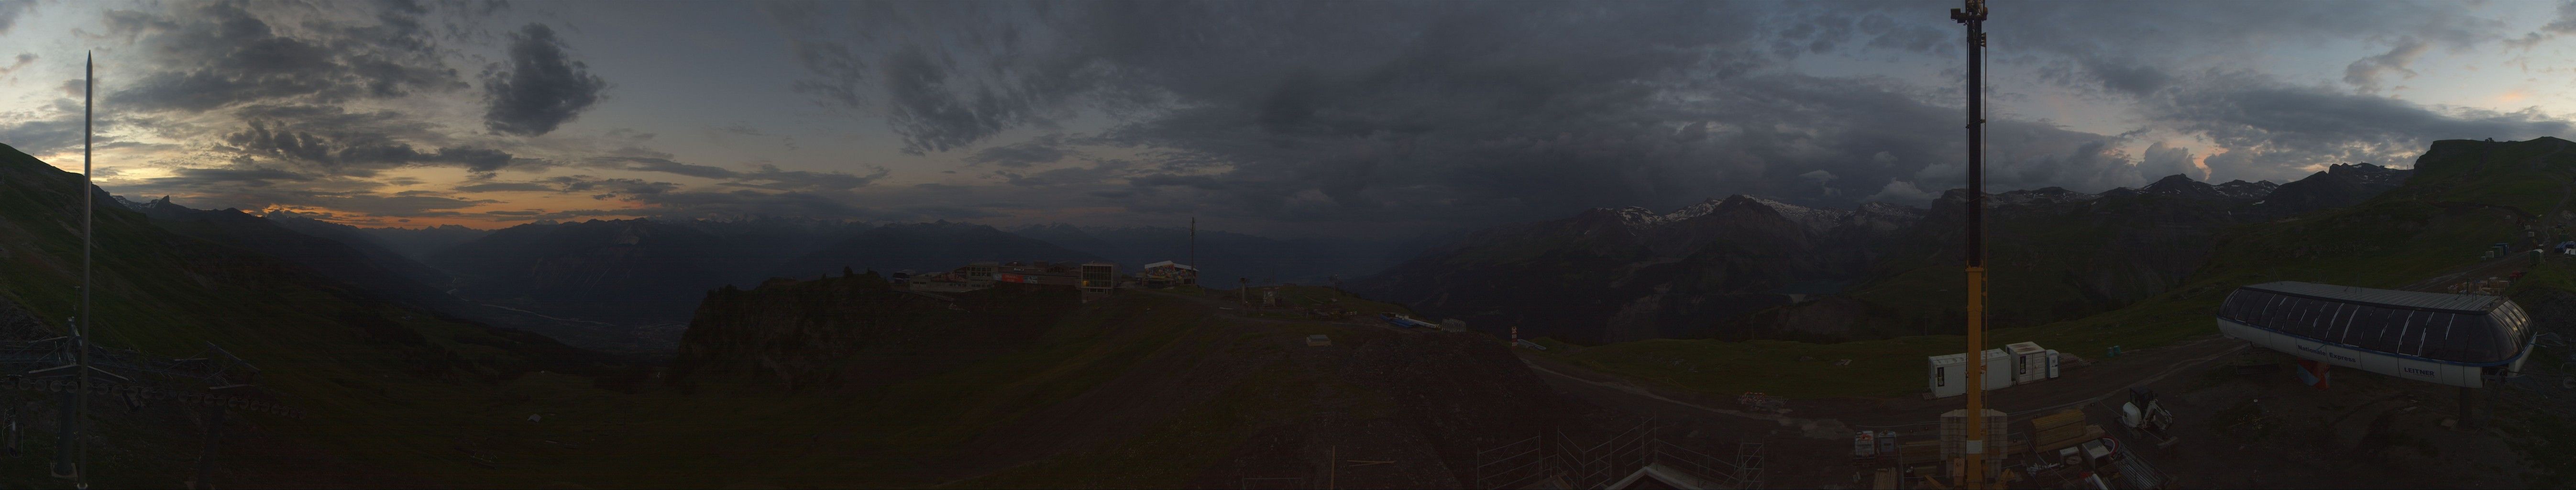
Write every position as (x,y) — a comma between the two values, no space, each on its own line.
(1972,474)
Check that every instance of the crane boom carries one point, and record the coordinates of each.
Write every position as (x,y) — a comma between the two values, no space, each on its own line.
(1972,474)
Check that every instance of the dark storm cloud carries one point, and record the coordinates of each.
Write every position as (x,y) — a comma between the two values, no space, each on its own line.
(652,198)
(765,176)
(839,72)
(2160,160)
(2566,21)
(748,203)
(9,11)
(505,187)
(770,177)
(543,87)
(215,55)
(2365,73)
(2265,127)
(935,115)
(195,178)
(2128,78)
(2270,129)
(604,188)
(356,153)
(665,165)
(1423,111)
(1097,172)
(412,206)
(569,214)
(1044,149)
(21,61)
(288,73)
(39,136)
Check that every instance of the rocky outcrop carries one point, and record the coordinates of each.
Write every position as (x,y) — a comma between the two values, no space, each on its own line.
(2249,191)
(2182,186)
(2338,186)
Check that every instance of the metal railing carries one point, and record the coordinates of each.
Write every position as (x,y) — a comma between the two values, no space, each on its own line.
(1514,464)
(1600,465)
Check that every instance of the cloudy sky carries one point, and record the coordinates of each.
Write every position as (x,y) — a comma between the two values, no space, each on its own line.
(1368,118)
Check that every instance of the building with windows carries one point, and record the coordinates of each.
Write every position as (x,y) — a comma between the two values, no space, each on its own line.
(1168,274)
(1098,280)
(2454,339)
(979,275)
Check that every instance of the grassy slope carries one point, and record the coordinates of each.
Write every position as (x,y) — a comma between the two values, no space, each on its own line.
(385,387)
(817,439)
(2440,220)
(383,412)
(907,435)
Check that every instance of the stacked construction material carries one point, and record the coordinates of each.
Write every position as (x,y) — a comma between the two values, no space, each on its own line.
(2059,430)
(1919,454)
(1954,436)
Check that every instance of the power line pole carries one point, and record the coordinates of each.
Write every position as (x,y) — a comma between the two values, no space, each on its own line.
(1972,476)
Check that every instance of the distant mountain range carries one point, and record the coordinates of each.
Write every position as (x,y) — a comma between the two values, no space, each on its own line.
(630,285)
(1751,267)
(1608,275)
(926,247)
(416,243)
(1737,267)
(347,258)
(1225,257)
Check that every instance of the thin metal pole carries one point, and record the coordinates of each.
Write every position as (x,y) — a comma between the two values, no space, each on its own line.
(1194,252)
(206,459)
(89,215)
(73,422)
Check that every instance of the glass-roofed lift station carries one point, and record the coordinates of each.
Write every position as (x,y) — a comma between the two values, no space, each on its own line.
(2452,339)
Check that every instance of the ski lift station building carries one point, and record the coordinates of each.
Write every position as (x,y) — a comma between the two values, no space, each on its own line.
(2452,339)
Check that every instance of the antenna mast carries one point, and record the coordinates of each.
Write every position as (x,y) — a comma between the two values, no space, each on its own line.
(1194,251)
(1973,474)
(76,466)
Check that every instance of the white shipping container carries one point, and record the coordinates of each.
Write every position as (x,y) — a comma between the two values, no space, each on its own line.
(1949,374)
(2030,362)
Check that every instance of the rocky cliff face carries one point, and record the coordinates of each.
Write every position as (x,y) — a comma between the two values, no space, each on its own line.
(2337,186)
(2249,191)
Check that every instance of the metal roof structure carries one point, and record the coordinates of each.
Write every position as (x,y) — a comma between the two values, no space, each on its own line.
(2456,329)
(2454,303)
